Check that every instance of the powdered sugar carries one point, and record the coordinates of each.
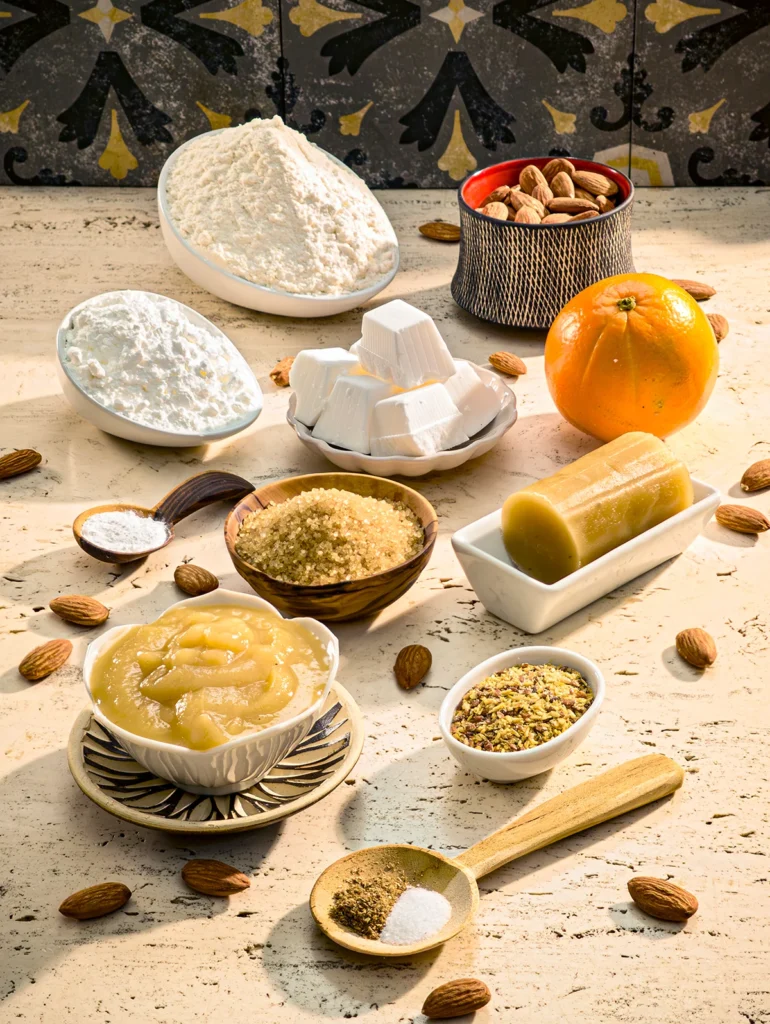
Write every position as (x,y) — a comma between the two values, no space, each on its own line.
(139,354)
(417,914)
(269,206)
(125,533)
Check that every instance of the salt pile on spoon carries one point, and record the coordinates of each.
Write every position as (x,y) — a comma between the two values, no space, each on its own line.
(417,914)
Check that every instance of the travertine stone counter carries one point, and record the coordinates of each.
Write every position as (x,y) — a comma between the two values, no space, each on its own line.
(556,936)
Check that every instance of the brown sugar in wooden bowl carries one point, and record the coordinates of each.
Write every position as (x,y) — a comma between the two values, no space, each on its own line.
(350,599)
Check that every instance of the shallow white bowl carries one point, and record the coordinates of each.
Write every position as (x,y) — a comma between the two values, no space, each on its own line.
(238,290)
(521,764)
(387,466)
(116,423)
(533,606)
(242,761)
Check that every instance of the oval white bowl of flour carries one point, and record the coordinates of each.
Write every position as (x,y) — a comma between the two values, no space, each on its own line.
(147,368)
(202,265)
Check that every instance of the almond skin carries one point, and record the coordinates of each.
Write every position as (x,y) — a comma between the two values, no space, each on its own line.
(697,647)
(456,998)
(556,166)
(719,325)
(585,215)
(44,660)
(213,878)
(757,476)
(194,579)
(661,899)
(441,232)
(279,374)
(79,609)
(412,665)
(543,194)
(556,218)
(22,461)
(507,362)
(567,205)
(526,215)
(498,195)
(498,211)
(580,193)
(698,289)
(96,901)
(596,184)
(531,177)
(604,204)
(562,185)
(518,199)
(742,519)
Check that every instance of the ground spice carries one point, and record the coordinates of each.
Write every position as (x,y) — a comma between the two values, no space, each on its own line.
(521,707)
(327,535)
(364,904)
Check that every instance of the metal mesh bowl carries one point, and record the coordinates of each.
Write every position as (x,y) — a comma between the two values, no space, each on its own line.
(521,275)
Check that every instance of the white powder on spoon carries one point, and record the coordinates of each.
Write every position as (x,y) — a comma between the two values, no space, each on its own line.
(417,914)
(125,533)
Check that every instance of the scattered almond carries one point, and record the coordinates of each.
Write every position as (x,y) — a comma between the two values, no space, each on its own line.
(96,901)
(757,476)
(79,609)
(596,184)
(662,899)
(554,167)
(499,211)
(742,519)
(412,665)
(441,232)
(456,999)
(565,204)
(562,185)
(194,579)
(526,215)
(698,289)
(21,461)
(507,362)
(44,660)
(530,177)
(719,325)
(279,374)
(213,878)
(697,647)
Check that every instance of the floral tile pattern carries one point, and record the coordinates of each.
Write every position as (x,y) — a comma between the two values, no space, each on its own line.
(408,92)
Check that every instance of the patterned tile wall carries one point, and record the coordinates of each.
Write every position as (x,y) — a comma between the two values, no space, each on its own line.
(408,93)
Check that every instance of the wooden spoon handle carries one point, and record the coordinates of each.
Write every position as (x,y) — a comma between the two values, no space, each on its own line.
(199,491)
(615,792)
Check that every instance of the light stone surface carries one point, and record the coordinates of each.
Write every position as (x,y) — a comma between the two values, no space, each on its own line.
(556,937)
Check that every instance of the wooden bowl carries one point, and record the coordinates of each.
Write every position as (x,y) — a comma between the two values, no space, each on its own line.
(335,602)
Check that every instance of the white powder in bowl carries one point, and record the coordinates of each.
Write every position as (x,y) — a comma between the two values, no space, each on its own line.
(124,532)
(417,914)
(265,204)
(140,355)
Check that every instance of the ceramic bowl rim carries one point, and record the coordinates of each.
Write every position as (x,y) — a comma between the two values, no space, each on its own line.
(318,629)
(360,295)
(203,438)
(323,589)
(492,431)
(535,655)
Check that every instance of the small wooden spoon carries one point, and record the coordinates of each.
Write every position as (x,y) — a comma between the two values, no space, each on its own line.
(191,495)
(615,792)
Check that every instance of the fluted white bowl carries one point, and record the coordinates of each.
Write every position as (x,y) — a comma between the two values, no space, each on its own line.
(240,762)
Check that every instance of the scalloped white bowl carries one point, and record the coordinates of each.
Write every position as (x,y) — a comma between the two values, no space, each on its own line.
(387,466)
(240,762)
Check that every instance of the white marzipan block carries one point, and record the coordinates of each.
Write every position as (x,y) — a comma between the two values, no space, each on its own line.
(346,417)
(401,344)
(420,422)
(312,378)
(477,401)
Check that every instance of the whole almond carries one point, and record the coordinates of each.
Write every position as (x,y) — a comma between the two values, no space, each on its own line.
(556,218)
(518,199)
(556,166)
(526,215)
(412,665)
(279,374)
(530,177)
(79,609)
(562,185)
(580,193)
(757,476)
(456,999)
(498,195)
(585,215)
(697,647)
(604,204)
(213,878)
(698,289)
(662,899)
(566,205)
(742,519)
(507,362)
(44,660)
(96,901)
(499,211)
(596,184)
(440,232)
(542,193)
(21,461)
(514,188)
(719,325)
(194,579)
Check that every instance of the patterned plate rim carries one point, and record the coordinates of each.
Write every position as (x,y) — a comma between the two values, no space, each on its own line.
(148,820)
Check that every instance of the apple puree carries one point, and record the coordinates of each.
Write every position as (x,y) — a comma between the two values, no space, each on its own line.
(199,677)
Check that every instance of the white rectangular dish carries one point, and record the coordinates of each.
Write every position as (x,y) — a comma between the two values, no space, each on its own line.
(533,606)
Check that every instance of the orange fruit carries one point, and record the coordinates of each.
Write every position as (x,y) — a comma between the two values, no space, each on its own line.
(632,352)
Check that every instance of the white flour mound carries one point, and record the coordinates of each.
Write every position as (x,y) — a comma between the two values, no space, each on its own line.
(261,201)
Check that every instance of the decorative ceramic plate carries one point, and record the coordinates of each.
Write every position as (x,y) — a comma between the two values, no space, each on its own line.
(110,777)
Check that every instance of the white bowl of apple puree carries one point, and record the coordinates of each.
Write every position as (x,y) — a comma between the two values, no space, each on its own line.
(215,692)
